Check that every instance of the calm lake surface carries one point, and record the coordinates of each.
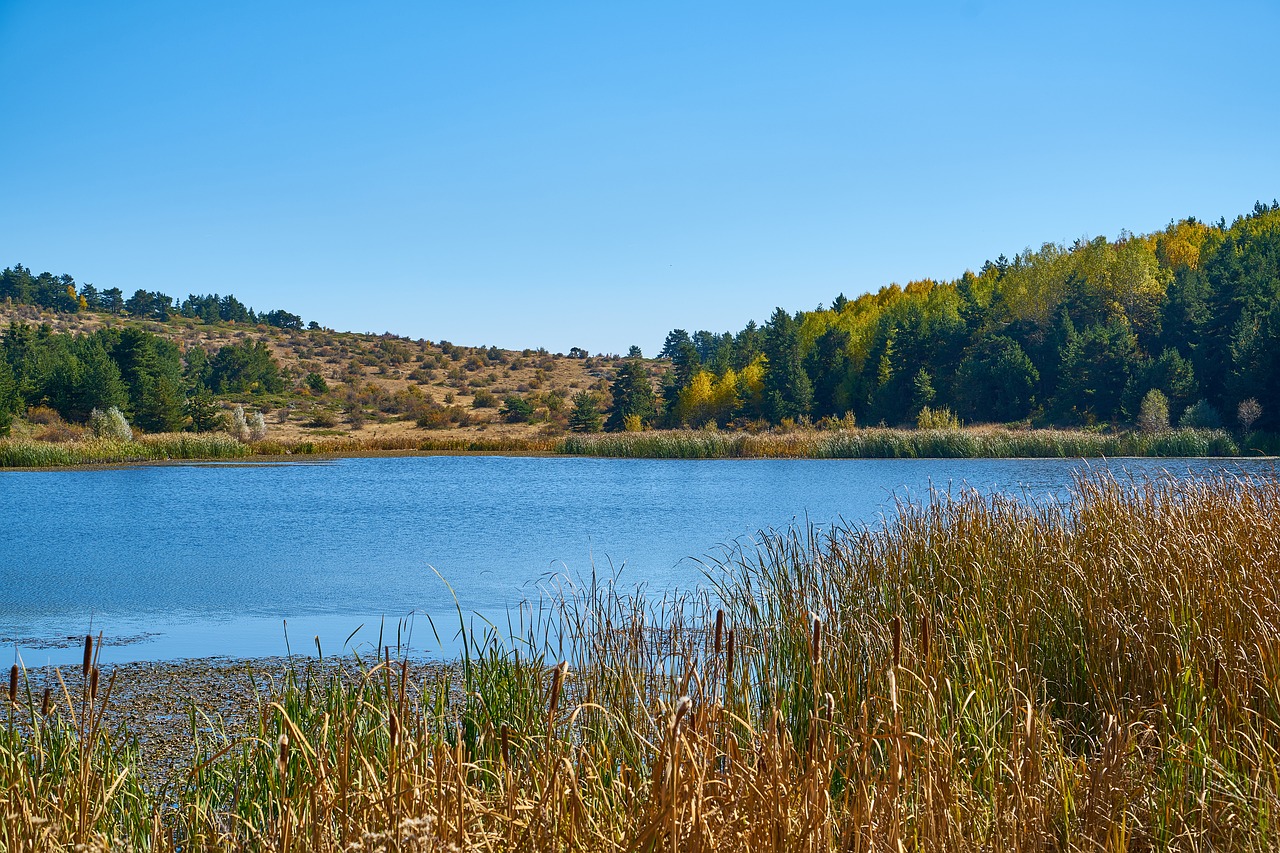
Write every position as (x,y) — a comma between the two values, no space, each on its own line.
(200,560)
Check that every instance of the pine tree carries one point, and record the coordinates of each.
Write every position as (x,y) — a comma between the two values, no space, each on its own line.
(202,410)
(585,415)
(632,395)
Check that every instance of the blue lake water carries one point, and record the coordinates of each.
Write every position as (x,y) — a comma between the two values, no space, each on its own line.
(202,560)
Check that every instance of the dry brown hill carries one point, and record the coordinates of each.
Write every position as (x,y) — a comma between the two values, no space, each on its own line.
(380,385)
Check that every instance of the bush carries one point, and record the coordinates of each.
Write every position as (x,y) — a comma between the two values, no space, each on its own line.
(939,418)
(516,410)
(43,415)
(323,419)
(1248,413)
(239,424)
(1200,415)
(484,399)
(110,424)
(257,427)
(1153,414)
(316,383)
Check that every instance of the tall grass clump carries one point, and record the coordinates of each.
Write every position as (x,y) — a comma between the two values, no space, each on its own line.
(978,673)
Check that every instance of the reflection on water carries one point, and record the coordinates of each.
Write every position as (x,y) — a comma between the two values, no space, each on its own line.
(199,560)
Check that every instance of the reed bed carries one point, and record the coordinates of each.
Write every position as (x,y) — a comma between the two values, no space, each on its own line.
(875,443)
(976,673)
(879,443)
(148,448)
(338,446)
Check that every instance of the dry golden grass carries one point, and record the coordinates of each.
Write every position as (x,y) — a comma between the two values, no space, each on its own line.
(975,674)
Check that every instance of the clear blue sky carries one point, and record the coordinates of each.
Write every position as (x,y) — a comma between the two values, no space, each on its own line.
(595,174)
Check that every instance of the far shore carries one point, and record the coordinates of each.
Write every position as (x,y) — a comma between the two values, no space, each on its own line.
(858,443)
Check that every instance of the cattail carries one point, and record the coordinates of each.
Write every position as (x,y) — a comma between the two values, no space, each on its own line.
(394,725)
(506,745)
(13,684)
(728,657)
(815,645)
(282,754)
(897,640)
(829,707)
(1217,671)
(88,655)
(683,707)
(45,702)
(557,682)
(93,684)
(719,629)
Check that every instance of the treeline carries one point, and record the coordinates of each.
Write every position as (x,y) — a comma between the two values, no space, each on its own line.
(157,386)
(60,293)
(1077,335)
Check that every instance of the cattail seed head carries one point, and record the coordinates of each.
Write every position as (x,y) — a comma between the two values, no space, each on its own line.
(815,645)
(719,630)
(45,702)
(897,640)
(13,684)
(829,707)
(88,655)
(506,745)
(728,656)
(93,684)
(557,683)
(282,753)
(683,707)
(393,725)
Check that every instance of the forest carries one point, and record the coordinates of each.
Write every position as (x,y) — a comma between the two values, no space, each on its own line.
(1077,335)
(60,293)
(144,375)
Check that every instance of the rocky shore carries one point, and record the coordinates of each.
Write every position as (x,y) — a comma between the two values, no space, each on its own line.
(153,701)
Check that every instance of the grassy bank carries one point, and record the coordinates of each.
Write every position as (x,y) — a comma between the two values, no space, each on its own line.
(976,674)
(981,442)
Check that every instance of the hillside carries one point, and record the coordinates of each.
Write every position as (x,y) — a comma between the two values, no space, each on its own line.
(373,385)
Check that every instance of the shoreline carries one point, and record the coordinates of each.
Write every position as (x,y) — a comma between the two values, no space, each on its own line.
(858,443)
(152,701)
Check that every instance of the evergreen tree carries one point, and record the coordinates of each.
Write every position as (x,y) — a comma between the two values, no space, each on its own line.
(827,365)
(202,410)
(8,397)
(922,392)
(996,381)
(161,407)
(585,415)
(787,390)
(632,395)
(1095,368)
